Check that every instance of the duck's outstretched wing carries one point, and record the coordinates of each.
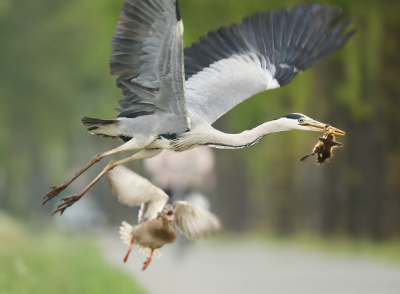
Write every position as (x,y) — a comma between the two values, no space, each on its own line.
(147,57)
(193,221)
(134,190)
(264,51)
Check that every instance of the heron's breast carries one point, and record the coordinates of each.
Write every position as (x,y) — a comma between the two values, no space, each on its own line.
(164,142)
(172,142)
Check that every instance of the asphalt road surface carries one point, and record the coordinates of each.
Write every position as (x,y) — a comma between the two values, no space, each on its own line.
(251,268)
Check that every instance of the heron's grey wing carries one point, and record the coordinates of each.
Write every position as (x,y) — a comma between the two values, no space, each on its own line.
(147,57)
(193,221)
(134,190)
(265,51)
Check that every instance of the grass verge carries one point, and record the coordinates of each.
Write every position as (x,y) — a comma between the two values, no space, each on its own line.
(49,263)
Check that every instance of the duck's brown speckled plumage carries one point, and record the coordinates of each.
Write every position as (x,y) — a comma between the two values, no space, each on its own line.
(154,233)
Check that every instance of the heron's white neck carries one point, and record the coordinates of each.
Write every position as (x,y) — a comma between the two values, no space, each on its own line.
(217,139)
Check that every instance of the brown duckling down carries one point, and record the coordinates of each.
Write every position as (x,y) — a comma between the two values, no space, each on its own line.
(156,219)
(324,147)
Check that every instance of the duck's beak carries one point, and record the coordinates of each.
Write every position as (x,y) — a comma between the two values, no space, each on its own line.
(320,127)
(170,215)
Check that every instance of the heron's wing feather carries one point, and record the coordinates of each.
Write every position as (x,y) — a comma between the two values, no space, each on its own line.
(193,221)
(147,57)
(264,51)
(134,190)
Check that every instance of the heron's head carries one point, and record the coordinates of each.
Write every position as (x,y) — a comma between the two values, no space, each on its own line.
(300,121)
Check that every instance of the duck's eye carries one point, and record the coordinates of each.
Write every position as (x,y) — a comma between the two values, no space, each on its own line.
(301,120)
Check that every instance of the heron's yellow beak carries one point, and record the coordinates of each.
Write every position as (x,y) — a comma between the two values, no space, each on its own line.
(320,127)
(336,131)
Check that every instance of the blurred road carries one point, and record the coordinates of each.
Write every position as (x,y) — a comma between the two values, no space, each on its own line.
(252,268)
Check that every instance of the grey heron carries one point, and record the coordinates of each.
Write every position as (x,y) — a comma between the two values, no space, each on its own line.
(157,218)
(171,97)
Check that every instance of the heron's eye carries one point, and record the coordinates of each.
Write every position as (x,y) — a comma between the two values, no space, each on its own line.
(301,120)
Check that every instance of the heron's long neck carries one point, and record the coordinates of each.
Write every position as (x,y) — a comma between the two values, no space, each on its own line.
(244,139)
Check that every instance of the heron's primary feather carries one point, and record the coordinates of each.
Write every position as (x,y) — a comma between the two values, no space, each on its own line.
(134,190)
(148,58)
(264,51)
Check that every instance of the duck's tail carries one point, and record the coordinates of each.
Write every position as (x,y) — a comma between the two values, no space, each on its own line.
(126,232)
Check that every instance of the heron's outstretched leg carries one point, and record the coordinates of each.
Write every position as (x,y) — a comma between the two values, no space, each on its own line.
(308,155)
(145,153)
(147,262)
(129,251)
(128,146)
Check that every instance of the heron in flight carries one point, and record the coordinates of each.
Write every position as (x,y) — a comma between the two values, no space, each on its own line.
(171,97)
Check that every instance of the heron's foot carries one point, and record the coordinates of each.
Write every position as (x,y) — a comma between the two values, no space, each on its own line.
(55,190)
(146,263)
(67,202)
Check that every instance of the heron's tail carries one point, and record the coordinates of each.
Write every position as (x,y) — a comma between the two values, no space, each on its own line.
(103,127)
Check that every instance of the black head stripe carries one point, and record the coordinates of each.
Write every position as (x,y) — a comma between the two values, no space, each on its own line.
(293,116)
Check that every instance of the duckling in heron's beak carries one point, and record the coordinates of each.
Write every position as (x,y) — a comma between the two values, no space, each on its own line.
(323,149)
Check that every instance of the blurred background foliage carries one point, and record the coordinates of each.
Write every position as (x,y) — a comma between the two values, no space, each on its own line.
(54,60)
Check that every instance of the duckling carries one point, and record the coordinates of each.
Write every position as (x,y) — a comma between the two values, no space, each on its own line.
(323,149)
(156,217)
